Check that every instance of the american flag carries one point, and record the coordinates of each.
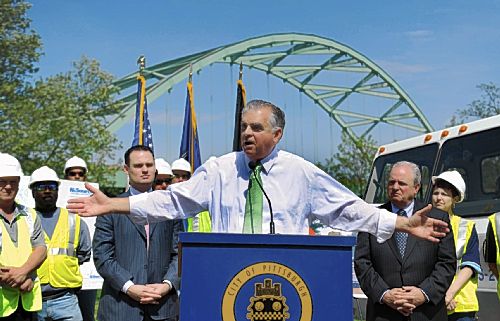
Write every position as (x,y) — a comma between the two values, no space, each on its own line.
(142,133)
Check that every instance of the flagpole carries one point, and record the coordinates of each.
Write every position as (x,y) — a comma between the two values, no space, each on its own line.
(141,61)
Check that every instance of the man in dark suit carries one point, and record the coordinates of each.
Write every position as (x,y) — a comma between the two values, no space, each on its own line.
(138,263)
(405,277)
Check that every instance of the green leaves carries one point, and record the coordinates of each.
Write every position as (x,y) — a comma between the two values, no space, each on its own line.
(351,164)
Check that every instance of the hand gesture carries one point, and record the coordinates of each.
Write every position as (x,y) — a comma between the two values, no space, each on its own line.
(424,227)
(94,205)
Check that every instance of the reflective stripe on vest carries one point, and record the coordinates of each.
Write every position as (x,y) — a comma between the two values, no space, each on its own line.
(497,225)
(461,238)
(70,250)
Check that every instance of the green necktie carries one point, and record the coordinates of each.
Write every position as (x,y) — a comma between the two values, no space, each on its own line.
(253,206)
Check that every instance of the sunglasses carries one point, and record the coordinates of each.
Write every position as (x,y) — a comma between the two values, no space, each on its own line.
(184,176)
(44,187)
(161,181)
(77,173)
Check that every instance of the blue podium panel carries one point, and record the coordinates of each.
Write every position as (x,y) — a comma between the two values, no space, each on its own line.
(237,277)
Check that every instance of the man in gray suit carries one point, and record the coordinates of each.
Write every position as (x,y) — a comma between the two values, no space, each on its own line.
(405,277)
(138,263)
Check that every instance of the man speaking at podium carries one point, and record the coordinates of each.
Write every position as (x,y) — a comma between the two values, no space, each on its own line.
(232,186)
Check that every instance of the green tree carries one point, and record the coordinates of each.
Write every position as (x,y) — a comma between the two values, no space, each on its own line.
(62,116)
(488,105)
(352,163)
(20,49)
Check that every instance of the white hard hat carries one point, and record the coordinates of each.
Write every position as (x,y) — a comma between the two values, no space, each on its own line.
(75,161)
(455,179)
(44,174)
(181,165)
(9,166)
(163,167)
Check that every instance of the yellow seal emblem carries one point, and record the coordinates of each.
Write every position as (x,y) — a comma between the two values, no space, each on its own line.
(268,302)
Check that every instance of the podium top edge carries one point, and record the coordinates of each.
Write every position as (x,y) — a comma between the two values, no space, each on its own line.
(267,239)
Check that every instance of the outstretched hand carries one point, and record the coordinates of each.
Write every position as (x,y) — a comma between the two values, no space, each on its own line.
(94,205)
(422,226)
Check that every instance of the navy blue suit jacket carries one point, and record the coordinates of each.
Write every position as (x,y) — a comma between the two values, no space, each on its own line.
(120,255)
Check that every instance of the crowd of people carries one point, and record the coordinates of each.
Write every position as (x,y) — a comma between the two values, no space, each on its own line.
(407,259)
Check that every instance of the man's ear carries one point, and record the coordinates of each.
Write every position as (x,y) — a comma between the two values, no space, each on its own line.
(125,168)
(278,133)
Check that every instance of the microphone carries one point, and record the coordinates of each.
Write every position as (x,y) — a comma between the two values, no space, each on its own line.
(252,166)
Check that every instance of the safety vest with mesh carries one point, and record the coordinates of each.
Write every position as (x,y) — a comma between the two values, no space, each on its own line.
(16,256)
(495,224)
(61,269)
(466,298)
(200,223)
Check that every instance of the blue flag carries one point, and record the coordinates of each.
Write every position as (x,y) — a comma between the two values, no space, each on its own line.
(190,147)
(142,133)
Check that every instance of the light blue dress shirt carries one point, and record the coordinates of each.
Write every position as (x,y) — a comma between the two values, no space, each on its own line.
(299,193)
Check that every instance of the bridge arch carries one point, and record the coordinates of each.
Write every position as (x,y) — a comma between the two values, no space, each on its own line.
(302,61)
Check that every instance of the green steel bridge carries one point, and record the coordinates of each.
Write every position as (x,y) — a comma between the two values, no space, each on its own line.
(334,76)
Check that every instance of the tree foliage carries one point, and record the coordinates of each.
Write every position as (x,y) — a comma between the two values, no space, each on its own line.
(352,163)
(47,121)
(62,116)
(488,105)
(19,50)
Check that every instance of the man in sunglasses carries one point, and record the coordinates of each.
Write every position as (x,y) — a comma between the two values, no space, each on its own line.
(75,169)
(69,245)
(164,174)
(22,248)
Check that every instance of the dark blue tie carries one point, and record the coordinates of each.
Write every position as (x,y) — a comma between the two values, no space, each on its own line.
(401,237)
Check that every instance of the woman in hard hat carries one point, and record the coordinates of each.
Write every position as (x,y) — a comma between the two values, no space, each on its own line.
(461,299)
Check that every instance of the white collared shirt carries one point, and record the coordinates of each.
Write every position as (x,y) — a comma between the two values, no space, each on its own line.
(299,193)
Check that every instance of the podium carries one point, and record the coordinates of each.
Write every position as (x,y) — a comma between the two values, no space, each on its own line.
(237,277)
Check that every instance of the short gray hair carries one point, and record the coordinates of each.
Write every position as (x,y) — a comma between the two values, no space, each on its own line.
(417,177)
(277,119)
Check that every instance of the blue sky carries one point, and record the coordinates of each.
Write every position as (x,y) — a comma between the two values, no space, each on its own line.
(438,51)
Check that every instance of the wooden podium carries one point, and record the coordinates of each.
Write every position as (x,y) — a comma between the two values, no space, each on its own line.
(237,277)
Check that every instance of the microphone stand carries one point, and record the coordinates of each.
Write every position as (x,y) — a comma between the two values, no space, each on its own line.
(271,223)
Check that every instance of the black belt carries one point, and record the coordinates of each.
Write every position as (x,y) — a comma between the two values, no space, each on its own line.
(56,295)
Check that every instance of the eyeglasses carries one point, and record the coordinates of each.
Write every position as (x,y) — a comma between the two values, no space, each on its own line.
(161,181)
(76,173)
(44,187)
(183,176)
(4,183)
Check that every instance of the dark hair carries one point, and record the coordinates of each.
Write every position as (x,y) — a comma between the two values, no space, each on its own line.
(441,183)
(277,119)
(136,148)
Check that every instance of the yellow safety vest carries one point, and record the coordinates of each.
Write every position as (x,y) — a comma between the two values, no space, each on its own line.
(16,256)
(466,298)
(200,223)
(495,224)
(61,268)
